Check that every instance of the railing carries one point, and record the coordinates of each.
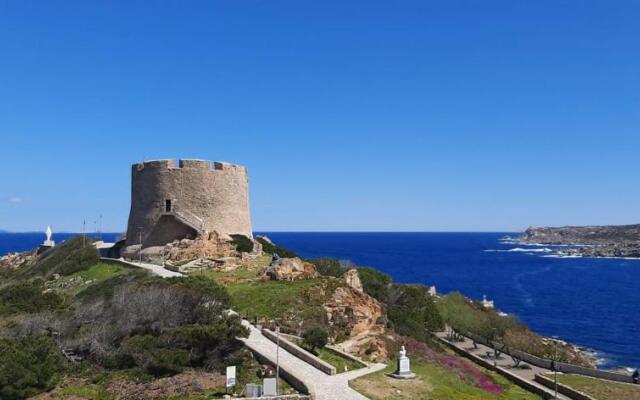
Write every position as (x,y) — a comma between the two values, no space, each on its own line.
(188,217)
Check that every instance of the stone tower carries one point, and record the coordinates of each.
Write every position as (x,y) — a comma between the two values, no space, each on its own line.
(172,201)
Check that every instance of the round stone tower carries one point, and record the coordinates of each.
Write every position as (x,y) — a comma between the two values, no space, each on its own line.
(172,201)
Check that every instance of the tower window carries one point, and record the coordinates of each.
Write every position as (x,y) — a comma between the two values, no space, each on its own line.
(167,205)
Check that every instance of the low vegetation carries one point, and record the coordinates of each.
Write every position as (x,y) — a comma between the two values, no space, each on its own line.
(274,249)
(28,297)
(242,243)
(273,299)
(315,339)
(112,317)
(600,389)
(28,366)
(437,382)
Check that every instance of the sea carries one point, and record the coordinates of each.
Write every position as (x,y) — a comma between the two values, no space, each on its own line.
(593,303)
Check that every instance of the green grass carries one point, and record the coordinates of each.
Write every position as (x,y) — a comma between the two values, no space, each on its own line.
(95,274)
(599,388)
(101,271)
(230,277)
(338,360)
(433,382)
(271,299)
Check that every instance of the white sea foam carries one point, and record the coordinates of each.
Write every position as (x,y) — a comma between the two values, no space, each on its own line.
(519,250)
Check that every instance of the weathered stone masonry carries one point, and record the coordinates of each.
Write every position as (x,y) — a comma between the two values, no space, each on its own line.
(172,200)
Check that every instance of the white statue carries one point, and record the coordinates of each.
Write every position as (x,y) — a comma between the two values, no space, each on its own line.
(403,370)
(48,242)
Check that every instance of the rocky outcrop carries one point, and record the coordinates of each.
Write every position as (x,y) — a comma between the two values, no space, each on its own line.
(353,313)
(352,279)
(290,269)
(210,245)
(17,260)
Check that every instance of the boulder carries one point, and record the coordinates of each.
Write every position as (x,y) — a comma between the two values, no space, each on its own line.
(289,269)
(352,279)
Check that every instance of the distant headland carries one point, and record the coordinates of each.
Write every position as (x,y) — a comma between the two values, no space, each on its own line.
(621,241)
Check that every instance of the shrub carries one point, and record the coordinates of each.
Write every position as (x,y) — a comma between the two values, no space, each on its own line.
(28,297)
(315,338)
(154,355)
(329,267)
(375,283)
(243,244)
(28,366)
(412,311)
(463,316)
(275,249)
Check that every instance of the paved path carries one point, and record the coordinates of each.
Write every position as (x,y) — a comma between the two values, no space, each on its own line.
(155,269)
(321,386)
(504,361)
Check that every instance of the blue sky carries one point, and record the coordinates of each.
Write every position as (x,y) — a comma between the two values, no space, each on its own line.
(371,115)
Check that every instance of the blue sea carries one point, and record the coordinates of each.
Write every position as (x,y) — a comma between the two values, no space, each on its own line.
(593,303)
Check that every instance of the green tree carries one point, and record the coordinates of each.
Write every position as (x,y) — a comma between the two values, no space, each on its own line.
(315,338)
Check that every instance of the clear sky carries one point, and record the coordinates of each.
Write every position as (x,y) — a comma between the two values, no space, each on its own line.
(351,115)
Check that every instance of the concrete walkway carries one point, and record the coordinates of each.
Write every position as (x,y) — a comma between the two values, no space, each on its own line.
(320,385)
(504,362)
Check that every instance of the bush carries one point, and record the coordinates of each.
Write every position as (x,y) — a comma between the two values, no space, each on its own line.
(29,366)
(28,297)
(463,316)
(412,311)
(329,267)
(315,338)
(273,249)
(375,283)
(243,244)
(154,355)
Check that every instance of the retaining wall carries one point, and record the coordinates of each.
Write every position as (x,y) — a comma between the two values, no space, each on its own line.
(300,352)
(565,390)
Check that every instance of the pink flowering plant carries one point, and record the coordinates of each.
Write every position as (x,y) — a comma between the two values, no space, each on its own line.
(466,371)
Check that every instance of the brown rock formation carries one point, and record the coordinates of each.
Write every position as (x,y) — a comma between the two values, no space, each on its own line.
(353,312)
(289,269)
(353,279)
(17,260)
(211,246)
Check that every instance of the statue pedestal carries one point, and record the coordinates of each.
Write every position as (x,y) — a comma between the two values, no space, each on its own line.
(404,369)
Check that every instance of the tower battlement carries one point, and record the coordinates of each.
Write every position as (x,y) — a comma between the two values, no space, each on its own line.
(187,163)
(172,199)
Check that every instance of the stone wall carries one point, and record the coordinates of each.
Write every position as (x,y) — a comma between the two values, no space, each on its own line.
(201,195)
(565,390)
(300,353)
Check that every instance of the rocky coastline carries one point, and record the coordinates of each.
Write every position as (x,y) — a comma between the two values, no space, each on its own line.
(619,241)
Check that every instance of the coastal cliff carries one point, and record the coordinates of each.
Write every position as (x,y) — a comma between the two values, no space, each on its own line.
(590,241)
